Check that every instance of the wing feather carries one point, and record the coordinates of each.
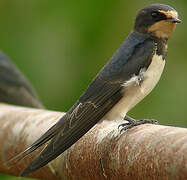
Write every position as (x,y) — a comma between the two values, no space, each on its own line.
(103,93)
(87,115)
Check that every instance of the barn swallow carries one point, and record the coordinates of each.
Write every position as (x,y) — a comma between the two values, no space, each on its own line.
(14,87)
(124,81)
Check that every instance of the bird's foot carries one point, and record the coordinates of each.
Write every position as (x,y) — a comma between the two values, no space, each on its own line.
(133,122)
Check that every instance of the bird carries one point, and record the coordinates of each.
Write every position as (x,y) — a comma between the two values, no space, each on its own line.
(14,87)
(128,77)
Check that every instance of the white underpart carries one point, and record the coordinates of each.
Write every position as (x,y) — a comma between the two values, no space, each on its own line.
(137,88)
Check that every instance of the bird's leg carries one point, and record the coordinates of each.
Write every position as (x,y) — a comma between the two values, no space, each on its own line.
(133,122)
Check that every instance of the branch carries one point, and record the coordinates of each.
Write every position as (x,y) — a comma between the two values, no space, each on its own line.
(143,152)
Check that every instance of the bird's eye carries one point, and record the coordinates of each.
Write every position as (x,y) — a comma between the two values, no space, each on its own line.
(154,14)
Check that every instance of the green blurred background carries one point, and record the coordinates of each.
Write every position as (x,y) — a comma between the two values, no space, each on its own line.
(61,45)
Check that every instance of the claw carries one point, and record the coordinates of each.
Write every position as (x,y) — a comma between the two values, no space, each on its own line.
(123,124)
(132,122)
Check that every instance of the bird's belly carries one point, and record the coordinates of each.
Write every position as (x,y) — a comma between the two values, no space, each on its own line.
(135,92)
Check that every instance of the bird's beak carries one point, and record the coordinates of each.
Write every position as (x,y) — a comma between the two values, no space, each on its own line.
(174,20)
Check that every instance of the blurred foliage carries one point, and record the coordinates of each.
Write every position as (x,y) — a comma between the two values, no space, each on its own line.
(5,177)
(61,45)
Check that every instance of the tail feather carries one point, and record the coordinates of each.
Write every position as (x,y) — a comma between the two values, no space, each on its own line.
(42,140)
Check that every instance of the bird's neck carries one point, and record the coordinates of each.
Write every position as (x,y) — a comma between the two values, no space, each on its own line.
(136,33)
(161,47)
(161,43)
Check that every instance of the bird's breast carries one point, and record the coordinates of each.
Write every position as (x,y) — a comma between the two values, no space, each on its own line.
(136,88)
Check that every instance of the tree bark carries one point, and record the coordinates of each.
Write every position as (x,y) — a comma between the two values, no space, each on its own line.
(143,152)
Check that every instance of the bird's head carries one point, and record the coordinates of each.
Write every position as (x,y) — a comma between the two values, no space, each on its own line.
(157,20)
